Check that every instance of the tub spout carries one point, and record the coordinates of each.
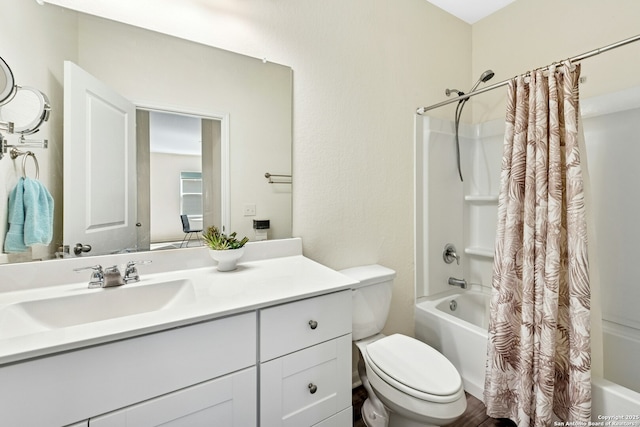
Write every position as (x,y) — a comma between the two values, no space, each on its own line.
(458,282)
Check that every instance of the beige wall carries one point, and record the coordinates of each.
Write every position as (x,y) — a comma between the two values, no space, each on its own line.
(530,34)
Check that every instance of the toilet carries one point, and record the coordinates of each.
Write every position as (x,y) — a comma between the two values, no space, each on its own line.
(409,384)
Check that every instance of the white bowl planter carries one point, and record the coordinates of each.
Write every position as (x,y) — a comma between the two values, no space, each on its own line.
(227,259)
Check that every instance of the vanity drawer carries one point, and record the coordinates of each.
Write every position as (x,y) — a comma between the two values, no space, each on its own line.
(290,327)
(308,386)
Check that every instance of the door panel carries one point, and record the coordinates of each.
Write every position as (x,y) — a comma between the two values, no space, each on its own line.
(99,165)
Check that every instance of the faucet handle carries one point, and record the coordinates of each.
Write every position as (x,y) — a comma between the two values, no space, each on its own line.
(97,277)
(450,254)
(131,271)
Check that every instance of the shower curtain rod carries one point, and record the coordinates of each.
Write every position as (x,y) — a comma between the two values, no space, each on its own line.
(577,58)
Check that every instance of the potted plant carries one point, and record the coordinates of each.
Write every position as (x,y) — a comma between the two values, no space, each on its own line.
(226,250)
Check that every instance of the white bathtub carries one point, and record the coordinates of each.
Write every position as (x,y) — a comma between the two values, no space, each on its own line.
(461,335)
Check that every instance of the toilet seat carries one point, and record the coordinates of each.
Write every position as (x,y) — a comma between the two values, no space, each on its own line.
(414,368)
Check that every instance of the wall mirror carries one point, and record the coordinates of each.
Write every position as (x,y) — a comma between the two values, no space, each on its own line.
(242,100)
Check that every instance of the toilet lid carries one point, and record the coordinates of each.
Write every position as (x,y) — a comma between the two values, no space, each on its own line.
(414,364)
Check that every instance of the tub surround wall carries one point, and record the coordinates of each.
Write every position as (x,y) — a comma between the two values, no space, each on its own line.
(612,139)
(450,211)
(438,211)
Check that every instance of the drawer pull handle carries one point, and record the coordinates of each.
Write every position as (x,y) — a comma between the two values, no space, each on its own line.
(312,388)
(313,324)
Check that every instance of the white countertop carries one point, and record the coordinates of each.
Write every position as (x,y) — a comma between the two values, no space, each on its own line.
(254,285)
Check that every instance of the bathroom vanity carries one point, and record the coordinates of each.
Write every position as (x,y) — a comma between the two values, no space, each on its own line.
(268,344)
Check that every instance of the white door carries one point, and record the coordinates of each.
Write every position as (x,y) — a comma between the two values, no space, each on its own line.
(99,165)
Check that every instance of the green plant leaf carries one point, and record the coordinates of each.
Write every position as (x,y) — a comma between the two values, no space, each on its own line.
(219,241)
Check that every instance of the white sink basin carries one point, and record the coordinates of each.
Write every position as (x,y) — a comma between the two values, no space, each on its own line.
(93,306)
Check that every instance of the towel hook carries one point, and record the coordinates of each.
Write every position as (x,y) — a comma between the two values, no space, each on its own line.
(15,153)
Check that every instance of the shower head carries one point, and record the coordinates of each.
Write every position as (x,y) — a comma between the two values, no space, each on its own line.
(448,92)
(485,77)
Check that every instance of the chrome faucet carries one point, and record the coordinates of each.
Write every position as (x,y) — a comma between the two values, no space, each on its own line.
(458,282)
(112,276)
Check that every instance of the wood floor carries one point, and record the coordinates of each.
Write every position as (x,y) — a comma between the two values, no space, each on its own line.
(474,416)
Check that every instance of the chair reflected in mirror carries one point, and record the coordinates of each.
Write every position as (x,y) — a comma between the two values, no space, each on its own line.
(189,232)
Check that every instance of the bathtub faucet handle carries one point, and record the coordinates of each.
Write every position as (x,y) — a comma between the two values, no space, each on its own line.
(450,254)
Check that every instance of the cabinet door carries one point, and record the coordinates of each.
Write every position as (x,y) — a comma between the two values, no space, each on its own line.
(308,386)
(341,419)
(227,401)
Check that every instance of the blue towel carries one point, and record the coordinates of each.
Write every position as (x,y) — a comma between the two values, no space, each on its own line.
(30,216)
(38,213)
(14,240)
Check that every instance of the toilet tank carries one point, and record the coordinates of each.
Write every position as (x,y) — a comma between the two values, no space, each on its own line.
(371,298)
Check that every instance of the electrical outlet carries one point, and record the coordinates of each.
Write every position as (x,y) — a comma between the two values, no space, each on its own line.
(249,209)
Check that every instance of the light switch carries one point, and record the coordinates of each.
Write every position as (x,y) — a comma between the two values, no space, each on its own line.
(249,209)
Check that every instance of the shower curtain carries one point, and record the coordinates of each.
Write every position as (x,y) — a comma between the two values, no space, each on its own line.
(538,356)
